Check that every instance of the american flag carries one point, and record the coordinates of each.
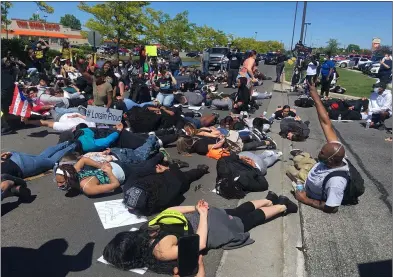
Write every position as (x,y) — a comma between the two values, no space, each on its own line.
(20,106)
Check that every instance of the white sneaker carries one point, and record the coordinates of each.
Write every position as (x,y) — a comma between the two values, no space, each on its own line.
(279,154)
(152,134)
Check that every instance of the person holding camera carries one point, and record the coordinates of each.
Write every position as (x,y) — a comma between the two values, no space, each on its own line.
(40,52)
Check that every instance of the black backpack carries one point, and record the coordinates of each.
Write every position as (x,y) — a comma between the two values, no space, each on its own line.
(304,102)
(355,184)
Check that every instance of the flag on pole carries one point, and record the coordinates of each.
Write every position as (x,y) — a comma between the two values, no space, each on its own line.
(20,106)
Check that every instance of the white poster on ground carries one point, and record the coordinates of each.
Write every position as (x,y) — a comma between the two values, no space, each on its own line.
(136,270)
(114,214)
(103,115)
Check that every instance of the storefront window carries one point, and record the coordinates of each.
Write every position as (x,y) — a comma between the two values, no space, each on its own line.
(54,40)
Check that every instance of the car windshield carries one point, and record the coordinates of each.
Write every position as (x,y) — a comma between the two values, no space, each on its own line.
(223,51)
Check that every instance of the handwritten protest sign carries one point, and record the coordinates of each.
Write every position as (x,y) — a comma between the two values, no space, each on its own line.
(103,115)
(151,50)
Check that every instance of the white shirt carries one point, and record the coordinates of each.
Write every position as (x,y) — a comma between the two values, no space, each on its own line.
(66,123)
(335,186)
(379,103)
(312,69)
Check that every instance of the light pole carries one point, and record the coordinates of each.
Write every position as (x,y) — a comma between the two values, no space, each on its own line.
(256,33)
(294,25)
(303,21)
(305,33)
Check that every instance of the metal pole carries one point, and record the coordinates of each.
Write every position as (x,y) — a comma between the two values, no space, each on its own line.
(294,25)
(303,21)
(305,34)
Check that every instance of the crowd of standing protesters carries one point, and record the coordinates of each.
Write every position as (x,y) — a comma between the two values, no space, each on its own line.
(92,159)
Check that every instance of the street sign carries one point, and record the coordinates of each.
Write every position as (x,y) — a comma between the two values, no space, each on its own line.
(94,38)
(103,115)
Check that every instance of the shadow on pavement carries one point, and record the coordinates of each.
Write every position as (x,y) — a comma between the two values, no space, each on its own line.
(380,269)
(9,206)
(48,260)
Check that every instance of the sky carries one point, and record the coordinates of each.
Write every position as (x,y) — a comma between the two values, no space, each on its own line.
(348,22)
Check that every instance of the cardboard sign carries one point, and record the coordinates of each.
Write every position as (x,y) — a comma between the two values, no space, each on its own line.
(151,50)
(103,115)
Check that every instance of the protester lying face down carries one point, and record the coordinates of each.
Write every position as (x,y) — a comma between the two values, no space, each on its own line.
(294,129)
(155,245)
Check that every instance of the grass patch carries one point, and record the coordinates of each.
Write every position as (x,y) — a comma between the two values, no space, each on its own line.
(356,83)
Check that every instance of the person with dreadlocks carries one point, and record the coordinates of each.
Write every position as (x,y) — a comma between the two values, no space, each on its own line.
(156,246)
(326,197)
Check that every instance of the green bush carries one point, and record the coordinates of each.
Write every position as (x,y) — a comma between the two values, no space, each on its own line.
(51,54)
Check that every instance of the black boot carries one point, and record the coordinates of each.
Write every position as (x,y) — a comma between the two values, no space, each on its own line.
(203,167)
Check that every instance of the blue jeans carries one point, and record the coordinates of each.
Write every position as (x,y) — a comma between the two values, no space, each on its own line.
(31,165)
(165,99)
(58,112)
(138,155)
(130,104)
(194,121)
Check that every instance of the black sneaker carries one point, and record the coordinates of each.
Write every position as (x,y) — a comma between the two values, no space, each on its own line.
(272,197)
(6,131)
(180,163)
(272,145)
(291,207)
(296,152)
(197,114)
(203,167)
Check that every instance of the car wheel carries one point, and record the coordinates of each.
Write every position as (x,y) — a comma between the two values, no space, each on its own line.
(343,65)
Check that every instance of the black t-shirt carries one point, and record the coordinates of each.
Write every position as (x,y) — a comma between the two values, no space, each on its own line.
(234,61)
(281,58)
(201,146)
(279,115)
(165,85)
(386,71)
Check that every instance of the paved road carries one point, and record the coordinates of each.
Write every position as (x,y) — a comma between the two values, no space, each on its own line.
(50,232)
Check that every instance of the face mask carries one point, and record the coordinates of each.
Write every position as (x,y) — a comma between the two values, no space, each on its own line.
(121,65)
(166,75)
(376,90)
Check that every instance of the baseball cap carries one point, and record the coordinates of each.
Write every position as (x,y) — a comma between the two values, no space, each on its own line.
(99,73)
(380,85)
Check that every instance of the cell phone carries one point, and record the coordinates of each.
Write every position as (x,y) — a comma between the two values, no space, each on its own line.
(188,255)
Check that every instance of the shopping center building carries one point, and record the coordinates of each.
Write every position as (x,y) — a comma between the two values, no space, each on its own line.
(53,32)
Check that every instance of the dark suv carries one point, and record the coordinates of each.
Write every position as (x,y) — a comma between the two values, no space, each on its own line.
(271,58)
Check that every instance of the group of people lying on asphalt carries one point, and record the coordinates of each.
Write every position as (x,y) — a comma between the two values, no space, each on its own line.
(131,158)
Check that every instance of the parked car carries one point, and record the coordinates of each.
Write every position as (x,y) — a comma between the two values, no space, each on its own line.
(339,58)
(271,58)
(374,69)
(218,57)
(343,63)
(192,54)
(356,62)
(163,53)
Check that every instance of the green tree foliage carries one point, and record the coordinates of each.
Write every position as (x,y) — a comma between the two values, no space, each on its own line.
(206,37)
(36,17)
(5,6)
(332,46)
(353,47)
(117,20)
(44,7)
(245,44)
(69,20)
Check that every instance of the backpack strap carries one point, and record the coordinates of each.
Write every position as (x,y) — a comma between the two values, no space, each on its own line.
(338,173)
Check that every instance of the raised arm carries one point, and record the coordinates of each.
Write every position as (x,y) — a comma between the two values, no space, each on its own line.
(323,116)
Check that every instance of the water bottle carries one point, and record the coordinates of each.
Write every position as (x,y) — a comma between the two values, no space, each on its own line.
(264,114)
(368,123)
(339,117)
(299,187)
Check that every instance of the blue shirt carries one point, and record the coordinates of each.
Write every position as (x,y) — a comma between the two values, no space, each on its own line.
(326,66)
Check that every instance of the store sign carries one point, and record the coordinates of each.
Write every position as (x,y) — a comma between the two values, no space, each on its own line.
(38,25)
(103,115)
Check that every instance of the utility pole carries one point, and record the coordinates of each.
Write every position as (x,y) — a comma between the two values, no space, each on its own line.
(303,21)
(256,33)
(305,32)
(294,25)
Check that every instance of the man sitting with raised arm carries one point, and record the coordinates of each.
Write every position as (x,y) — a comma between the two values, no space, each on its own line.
(331,158)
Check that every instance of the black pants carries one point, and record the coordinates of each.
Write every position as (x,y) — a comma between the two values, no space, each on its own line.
(248,215)
(141,169)
(186,177)
(279,69)
(325,85)
(253,145)
(132,141)
(232,74)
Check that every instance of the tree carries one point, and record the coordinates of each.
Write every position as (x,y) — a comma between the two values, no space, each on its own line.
(69,20)
(206,37)
(44,7)
(383,50)
(117,20)
(5,6)
(332,46)
(36,17)
(353,47)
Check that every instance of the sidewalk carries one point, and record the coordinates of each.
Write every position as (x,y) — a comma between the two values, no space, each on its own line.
(274,252)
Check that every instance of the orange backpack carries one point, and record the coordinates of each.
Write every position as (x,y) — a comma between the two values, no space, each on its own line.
(218,153)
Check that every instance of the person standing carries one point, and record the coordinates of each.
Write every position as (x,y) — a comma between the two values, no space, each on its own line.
(280,66)
(142,58)
(385,69)
(7,93)
(234,65)
(312,69)
(326,76)
(205,61)
(175,62)
(40,53)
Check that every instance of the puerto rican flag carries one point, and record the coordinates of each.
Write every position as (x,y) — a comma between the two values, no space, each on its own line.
(20,106)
